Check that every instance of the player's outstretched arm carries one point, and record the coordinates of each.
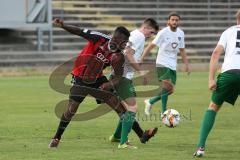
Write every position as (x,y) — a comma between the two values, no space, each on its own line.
(129,56)
(147,51)
(70,28)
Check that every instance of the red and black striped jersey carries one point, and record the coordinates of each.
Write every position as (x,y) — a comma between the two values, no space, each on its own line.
(96,56)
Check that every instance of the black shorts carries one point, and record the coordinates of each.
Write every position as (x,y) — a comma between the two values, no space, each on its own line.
(81,89)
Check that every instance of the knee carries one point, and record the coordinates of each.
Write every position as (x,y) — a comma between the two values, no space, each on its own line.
(170,90)
(132,108)
(71,110)
(67,116)
(168,86)
(131,105)
(116,105)
(214,107)
(112,101)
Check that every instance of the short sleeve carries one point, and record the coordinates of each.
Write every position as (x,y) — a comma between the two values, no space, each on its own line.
(158,39)
(223,40)
(182,41)
(134,42)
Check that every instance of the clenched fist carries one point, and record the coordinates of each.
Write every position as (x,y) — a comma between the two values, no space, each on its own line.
(58,22)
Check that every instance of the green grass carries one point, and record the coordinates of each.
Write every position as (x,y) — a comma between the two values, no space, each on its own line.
(28,122)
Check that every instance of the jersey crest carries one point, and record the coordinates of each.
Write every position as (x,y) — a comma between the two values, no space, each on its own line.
(174,45)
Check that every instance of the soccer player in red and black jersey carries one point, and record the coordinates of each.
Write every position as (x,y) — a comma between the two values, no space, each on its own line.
(88,79)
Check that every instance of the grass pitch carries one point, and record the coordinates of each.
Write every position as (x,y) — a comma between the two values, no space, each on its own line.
(28,122)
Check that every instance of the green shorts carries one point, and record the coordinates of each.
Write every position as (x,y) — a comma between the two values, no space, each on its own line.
(125,89)
(164,73)
(228,88)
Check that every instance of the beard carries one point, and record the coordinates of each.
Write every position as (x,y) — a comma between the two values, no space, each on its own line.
(173,27)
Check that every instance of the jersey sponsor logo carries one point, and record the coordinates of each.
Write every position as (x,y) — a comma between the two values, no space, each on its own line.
(174,45)
(100,34)
(101,57)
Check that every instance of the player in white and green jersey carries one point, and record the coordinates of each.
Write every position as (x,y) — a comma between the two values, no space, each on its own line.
(170,41)
(125,89)
(227,87)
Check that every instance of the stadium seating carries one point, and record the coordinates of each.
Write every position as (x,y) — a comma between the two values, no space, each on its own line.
(202,21)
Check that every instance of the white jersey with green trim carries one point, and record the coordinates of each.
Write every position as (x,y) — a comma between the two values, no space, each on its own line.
(169,43)
(230,40)
(136,42)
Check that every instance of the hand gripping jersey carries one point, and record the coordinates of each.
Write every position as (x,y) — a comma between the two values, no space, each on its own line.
(96,56)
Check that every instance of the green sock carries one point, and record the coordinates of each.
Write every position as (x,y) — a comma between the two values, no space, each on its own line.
(128,119)
(117,133)
(154,99)
(164,100)
(206,127)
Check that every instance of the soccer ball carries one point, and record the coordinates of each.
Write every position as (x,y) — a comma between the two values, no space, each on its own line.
(171,118)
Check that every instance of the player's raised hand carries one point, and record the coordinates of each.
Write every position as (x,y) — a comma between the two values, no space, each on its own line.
(57,22)
(212,85)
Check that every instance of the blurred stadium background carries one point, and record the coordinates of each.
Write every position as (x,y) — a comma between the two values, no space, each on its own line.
(27,37)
